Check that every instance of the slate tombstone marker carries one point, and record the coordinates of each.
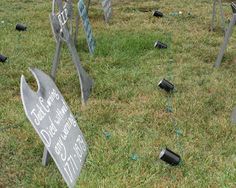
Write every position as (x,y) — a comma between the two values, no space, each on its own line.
(87,27)
(106,4)
(59,23)
(233,116)
(228,34)
(214,15)
(53,121)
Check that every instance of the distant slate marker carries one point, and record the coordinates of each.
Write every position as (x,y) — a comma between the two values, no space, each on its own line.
(233,116)
(228,34)
(61,21)
(106,4)
(52,119)
(87,27)
(214,15)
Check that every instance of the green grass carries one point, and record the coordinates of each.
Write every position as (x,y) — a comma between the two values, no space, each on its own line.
(125,100)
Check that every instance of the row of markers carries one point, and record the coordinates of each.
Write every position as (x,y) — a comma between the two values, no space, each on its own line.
(166,154)
(19,27)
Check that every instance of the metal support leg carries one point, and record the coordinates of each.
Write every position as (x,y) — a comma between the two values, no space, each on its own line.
(76,29)
(226,41)
(222,16)
(56,59)
(233,116)
(213,16)
(86,82)
(46,157)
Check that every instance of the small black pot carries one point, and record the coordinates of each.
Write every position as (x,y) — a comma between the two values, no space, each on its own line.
(157,13)
(166,85)
(3,58)
(160,45)
(21,27)
(170,157)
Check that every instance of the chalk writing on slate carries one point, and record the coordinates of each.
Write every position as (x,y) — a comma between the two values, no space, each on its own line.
(106,4)
(53,121)
(87,27)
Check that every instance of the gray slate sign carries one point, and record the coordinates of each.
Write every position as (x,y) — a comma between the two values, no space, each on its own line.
(61,22)
(233,116)
(53,121)
(87,27)
(106,4)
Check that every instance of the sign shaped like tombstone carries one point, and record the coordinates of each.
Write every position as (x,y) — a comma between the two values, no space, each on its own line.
(106,4)
(233,116)
(87,27)
(52,119)
(228,34)
(214,15)
(59,23)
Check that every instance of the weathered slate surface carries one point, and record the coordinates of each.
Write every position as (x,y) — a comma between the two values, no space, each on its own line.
(52,119)
(106,4)
(60,27)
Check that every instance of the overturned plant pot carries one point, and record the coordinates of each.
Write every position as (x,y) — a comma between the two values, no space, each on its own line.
(2,58)
(21,27)
(166,85)
(169,157)
(157,13)
(160,45)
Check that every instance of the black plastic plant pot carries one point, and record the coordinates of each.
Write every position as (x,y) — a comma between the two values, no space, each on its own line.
(21,27)
(169,157)
(157,13)
(160,45)
(233,6)
(166,85)
(3,58)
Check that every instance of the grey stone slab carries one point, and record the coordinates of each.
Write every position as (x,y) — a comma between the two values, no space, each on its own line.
(226,41)
(56,126)
(107,8)
(59,22)
(214,15)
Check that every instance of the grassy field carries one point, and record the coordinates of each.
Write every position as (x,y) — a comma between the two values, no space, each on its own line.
(125,122)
